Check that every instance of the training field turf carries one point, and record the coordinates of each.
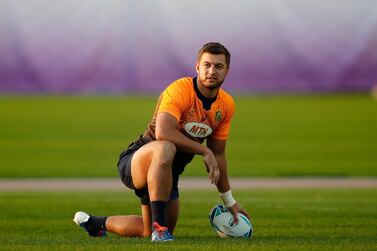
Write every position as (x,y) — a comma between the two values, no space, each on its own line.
(306,219)
(327,135)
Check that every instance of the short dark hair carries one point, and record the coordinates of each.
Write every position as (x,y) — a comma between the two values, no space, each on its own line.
(216,49)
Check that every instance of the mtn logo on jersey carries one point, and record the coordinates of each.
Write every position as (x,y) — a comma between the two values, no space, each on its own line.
(198,130)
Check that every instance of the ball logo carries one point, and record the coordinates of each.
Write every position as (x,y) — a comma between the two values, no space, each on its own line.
(231,222)
(198,130)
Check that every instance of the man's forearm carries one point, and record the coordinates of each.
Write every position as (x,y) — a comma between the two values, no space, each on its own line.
(223,183)
(167,129)
(182,142)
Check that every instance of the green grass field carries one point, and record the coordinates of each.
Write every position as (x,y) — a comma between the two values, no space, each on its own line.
(324,135)
(308,219)
(327,135)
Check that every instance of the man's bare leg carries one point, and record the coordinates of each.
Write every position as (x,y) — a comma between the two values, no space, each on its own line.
(140,226)
(150,167)
(131,225)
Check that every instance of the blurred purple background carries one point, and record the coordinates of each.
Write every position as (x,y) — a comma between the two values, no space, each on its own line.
(117,46)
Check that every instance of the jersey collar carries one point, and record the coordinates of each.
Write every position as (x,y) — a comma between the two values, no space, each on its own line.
(207,102)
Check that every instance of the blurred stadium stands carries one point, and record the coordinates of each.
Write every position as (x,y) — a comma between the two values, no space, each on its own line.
(119,46)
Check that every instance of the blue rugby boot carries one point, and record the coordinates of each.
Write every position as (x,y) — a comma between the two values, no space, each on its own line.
(160,233)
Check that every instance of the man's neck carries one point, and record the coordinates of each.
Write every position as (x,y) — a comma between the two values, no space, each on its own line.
(208,93)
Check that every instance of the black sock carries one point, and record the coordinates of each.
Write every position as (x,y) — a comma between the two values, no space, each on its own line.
(96,223)
(158,212)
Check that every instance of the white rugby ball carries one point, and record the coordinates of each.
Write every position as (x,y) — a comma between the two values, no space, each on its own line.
(222,223)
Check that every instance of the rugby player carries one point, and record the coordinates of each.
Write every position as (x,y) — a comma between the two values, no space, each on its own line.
(189,111)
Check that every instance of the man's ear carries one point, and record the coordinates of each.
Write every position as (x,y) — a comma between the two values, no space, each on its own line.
(197,67)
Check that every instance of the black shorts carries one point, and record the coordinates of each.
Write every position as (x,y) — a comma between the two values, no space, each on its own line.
(124,168)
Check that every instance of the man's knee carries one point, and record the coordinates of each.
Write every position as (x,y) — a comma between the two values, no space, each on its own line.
(165,152)
(167,147)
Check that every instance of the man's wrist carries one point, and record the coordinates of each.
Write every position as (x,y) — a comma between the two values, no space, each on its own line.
(227,198)
(205,150)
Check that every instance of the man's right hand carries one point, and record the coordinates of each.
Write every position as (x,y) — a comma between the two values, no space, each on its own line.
(211,166)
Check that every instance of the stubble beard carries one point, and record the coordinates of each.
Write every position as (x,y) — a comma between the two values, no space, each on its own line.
(217,85)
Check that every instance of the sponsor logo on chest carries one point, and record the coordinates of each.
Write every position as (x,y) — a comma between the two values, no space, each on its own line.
(198,130)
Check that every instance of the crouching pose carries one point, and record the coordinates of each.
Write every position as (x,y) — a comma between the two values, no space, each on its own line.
(190,111)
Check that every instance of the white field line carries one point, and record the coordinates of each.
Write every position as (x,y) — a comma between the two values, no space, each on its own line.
(61,184)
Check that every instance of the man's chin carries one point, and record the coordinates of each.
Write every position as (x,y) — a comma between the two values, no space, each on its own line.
(213,85)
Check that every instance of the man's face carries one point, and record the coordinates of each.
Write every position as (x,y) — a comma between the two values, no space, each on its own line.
(212,70)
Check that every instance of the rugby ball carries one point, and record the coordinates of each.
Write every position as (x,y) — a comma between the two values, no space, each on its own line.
(222,223)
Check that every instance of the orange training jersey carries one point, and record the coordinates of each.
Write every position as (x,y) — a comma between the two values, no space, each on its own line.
(183,100)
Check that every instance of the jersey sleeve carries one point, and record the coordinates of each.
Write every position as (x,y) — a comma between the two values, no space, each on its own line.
(174,100)
(222,131)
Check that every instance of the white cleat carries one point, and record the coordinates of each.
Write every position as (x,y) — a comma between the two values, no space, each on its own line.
(81,219)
